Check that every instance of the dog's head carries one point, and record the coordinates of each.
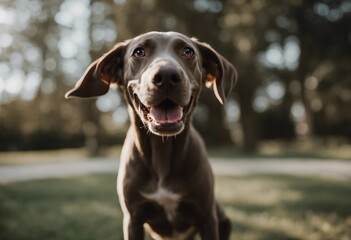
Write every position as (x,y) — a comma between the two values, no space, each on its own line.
(161,75)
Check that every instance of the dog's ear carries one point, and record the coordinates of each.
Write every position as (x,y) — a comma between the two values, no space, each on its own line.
(220,74)
(100,74)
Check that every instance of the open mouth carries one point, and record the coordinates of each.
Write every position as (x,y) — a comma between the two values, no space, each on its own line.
(164,119)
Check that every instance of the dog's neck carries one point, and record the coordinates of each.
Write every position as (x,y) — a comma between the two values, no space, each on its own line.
(164,155)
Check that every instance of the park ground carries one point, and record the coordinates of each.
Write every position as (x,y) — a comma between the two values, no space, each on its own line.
(264,198)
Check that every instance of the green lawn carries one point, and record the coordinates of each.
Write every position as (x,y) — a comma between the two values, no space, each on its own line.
(260,207)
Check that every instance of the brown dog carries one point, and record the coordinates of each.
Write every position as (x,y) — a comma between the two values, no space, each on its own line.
(165,183)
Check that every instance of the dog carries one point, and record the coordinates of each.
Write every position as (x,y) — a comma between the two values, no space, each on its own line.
(165,183)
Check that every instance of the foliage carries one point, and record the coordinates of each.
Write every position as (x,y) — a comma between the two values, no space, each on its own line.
(293,61)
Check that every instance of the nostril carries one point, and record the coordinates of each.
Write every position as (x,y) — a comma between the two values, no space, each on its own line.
(158,81)
(174,79)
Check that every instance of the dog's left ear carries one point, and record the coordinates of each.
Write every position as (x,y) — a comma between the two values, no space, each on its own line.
(219,72)
(100,74)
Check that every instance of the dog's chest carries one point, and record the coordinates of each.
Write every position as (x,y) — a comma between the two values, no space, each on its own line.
(165,198)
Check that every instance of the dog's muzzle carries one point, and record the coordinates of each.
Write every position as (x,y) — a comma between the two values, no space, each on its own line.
(166,118)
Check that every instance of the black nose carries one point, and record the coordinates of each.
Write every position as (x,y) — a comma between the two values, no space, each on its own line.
(167,78)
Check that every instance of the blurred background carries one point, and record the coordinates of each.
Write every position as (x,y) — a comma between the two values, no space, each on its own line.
(292,99)
(293,60)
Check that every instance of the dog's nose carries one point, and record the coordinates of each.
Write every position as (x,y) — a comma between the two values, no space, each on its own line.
(167,78)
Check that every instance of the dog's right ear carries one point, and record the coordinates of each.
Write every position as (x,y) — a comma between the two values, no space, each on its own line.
(100,74)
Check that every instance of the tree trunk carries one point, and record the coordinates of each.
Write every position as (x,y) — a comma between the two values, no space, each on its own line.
(303,68)
(246,93)
(215,131)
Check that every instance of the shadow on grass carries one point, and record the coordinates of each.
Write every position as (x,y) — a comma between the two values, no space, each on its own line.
(77,208)
(325,197)
(245,231)
(281,207)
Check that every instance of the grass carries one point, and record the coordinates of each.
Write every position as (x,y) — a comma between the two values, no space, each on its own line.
(260,207)
(77,208)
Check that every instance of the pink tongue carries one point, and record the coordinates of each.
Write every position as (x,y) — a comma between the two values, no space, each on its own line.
(166,115)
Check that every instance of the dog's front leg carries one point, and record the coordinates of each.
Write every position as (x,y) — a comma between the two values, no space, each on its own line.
(209,230)
(132,230)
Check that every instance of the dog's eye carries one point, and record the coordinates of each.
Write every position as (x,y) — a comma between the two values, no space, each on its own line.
(188,52)
(139,52)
